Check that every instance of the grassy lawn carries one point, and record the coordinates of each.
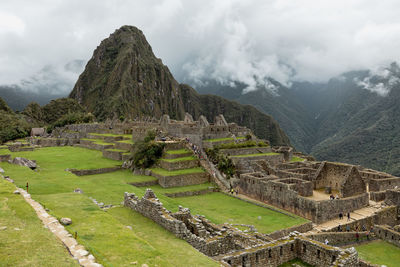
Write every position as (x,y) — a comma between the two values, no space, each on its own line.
(224,139)
(296,159)
(254,155)
(380,252)
(116,150)
(220,208)
(26,242)
(97,141)
(178,151)
(177,172)
(104,234)
(180,159)
(126,142)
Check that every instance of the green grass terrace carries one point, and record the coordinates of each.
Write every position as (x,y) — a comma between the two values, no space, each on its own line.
(178,151)
(254,155)
(380,252)
(119,236)
(165,172)
(180,159)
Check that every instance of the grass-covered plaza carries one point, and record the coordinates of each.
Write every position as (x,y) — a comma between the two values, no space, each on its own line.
(120,236)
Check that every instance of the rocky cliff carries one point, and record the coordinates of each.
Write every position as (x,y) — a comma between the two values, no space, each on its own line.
(125,78)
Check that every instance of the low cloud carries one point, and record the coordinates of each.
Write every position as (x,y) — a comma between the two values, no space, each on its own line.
(228,41)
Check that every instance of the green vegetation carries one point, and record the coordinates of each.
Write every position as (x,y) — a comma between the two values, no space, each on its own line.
(255,155)
(223,162)
(225,139)
(97,141)
(147,152)
(180,159)
(104,234)
(296,159)
(241,145)
(178,151)
(177,172)
(12,126)
(126,142)
(25,242)
(116,150)
(380,252)
(221,208)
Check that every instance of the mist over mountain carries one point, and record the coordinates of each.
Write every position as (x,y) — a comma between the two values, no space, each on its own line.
(125,79)
(351,118)
(49,83)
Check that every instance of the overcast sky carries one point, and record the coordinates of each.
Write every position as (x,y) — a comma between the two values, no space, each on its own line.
(245,41)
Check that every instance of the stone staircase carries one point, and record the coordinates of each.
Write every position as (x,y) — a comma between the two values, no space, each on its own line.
(354,216)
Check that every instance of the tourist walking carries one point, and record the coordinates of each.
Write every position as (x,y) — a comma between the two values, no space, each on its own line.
(340,216)
(348,216)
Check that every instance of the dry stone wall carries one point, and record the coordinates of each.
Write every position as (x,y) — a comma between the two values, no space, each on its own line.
(94,171)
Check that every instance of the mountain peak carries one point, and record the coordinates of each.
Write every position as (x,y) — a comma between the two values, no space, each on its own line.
(125,78)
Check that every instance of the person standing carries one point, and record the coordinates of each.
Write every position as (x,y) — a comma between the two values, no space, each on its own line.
(348,216)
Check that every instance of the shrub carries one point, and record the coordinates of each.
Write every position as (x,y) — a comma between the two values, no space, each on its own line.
(248,137)
(147,152)
(224,163)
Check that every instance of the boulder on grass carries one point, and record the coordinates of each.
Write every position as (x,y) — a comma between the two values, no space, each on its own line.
(25,162)
(65,221)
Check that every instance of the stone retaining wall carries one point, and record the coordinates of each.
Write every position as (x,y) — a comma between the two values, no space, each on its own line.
(305,227)
(92,145)
(4,158)
(123,146)
(377,196)
(341,238)
(174,156)
(246,150)
(178,165)
(146,183)
(192,193)
(388,235)
(94,171)
(385,216)
(53,142)
(181,180)
(110,154)
(384,184)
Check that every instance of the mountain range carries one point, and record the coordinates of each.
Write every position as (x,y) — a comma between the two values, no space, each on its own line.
(352,118)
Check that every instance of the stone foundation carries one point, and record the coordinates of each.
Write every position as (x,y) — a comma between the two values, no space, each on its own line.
(178,165)
(4,158)
(181,180)
(94,171)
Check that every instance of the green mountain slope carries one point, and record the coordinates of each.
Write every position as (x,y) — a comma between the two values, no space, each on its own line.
(124,78)
(338,120)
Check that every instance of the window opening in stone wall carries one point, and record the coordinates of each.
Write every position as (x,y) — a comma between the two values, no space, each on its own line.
(304,247)
(318,253)
(257,258)
(269,254)
(281,251)
(333,258)
(291,247)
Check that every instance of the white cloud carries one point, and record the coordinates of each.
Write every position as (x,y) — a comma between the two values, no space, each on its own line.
(245,41)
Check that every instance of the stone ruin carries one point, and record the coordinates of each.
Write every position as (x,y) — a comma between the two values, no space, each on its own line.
(231,246)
